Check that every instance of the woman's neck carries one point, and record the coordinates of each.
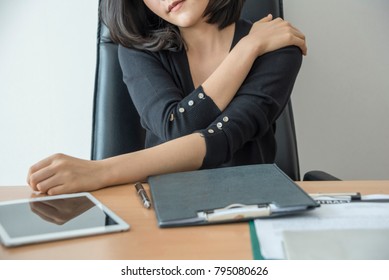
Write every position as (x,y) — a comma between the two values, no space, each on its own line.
(207,38)
(206,48)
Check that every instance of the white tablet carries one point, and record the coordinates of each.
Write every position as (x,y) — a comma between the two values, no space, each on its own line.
(50,218)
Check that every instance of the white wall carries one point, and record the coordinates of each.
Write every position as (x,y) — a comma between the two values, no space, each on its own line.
(341,100)
(47,64)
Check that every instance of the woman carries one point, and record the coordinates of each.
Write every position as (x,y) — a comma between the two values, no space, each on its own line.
(208,88)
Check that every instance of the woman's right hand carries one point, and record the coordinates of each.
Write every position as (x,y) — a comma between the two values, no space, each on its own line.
(270,34)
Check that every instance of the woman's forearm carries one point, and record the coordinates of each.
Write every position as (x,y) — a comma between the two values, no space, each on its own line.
(226,80)
(60,173)
(266,35)
(181,154)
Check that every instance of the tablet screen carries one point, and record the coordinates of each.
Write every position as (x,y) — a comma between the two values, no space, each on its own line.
(55,217)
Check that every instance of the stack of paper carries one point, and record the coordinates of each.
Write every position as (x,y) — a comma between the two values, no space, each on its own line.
(339,244)
(335,231)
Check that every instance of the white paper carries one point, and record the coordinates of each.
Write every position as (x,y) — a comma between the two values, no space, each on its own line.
(361,215)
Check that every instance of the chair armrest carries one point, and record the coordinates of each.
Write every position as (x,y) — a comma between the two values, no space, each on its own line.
(317,175)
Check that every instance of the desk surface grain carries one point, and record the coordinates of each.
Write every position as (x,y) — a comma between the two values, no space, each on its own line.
(145,240)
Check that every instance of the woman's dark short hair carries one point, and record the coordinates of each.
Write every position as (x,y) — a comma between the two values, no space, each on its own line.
(133,25)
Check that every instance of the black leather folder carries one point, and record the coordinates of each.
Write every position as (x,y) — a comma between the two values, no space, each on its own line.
(226,195)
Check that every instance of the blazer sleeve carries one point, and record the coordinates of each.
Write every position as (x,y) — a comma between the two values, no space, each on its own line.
(162,106)
(256,106)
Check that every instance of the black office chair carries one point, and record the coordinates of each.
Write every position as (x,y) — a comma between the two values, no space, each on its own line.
(116,125)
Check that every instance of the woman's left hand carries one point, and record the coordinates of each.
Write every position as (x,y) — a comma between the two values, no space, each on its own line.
(60,174)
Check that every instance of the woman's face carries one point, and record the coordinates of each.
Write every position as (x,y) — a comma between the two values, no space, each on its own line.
(182,13)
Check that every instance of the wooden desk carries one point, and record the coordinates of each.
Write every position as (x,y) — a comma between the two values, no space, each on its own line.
(145,240)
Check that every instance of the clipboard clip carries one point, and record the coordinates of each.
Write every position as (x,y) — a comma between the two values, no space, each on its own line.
(235,212)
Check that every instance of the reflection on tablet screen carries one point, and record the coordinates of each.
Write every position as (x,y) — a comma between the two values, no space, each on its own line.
(52,216)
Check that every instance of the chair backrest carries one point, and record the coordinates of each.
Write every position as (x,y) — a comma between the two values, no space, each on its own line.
(116,126)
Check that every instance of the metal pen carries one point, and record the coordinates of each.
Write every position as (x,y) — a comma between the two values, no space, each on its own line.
(333,198)
(143,195)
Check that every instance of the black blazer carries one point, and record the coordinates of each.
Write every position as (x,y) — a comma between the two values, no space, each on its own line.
(169,105)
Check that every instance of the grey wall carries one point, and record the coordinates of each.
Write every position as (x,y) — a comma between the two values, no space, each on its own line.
(47,64)
(341,101)
(341,98)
